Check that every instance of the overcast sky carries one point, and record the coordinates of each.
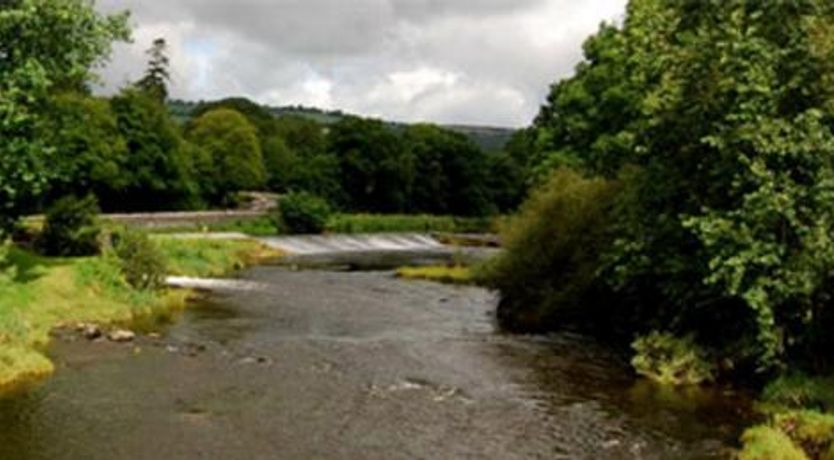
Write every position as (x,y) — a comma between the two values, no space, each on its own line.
(447,61)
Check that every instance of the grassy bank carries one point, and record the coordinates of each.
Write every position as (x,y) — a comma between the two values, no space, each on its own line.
(456,274)
(38,294)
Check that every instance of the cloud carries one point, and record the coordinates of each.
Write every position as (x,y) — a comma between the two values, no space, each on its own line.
(450,61)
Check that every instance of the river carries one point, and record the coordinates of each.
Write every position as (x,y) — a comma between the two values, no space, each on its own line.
(302,364)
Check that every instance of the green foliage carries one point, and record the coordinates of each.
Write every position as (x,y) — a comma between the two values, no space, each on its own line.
(767,443)
(549,271)
(71,228)
(303,213)
(450,172)
(156,77)
(231,142)
(724,119)
(142,263)
(797,391)
(390,223)
(670,360)
(206,257)
(90,153)
(44,45)
(812,431)
(376,170)
(158,167)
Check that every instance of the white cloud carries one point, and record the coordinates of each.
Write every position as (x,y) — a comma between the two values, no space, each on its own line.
(473,61)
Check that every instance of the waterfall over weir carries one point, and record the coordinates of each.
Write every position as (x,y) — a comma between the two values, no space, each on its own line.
(341,244)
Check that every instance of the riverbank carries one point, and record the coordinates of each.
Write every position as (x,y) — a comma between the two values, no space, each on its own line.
(39,294)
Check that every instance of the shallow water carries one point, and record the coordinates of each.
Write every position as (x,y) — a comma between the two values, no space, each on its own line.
(326,364)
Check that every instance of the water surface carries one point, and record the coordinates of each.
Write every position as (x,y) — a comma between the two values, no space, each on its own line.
(354,365)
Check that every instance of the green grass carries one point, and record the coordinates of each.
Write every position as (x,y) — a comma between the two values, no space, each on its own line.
(38,294)
(376,223)
(207,258)
(442,274)
(261,226)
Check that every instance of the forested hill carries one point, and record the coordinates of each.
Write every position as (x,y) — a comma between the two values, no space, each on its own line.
(487,137)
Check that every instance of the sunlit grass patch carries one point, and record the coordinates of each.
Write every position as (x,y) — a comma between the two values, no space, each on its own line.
(211,257)
(38,294)
(455,274)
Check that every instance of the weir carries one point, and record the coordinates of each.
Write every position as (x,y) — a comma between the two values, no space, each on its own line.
(341,244)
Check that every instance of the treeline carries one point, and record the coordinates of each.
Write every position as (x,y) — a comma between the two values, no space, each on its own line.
(132,154)
(371,166)
(135,154)
(693,192)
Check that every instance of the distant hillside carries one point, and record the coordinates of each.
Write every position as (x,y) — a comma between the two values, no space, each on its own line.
(488,138)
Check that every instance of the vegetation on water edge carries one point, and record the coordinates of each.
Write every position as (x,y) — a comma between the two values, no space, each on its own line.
(40,293)
(210,257)
(302,213)
(454,274)
(381,223)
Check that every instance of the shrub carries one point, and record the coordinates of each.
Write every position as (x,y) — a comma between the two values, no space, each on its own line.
(670,360)
(767,443)
(799,391)
(548,272)
(302,213)
(811,430)
(71,228)
(141,261)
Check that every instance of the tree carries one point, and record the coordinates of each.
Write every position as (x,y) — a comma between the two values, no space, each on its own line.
(231,142)
(450,172)
(722,114)
(91,154)
(44,44)
(157,168)
(377,172)
(156,78)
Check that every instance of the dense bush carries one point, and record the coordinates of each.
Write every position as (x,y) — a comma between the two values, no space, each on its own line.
(726,230)
(548,274)
(797,391)
(141,262)
(302,213)
(768,443)
(70,228)
(670,360)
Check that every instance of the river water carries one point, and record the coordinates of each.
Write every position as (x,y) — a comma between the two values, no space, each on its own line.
(307,364)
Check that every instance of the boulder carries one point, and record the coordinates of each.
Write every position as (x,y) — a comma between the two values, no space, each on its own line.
(121,336)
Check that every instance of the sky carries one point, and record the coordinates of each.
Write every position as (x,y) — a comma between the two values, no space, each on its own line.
(485,62)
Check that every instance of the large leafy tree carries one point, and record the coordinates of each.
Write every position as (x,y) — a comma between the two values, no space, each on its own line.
(724,110)
(44,45)
(377,172)
(450,172)
(157,170)
(90,153)
(231,142)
